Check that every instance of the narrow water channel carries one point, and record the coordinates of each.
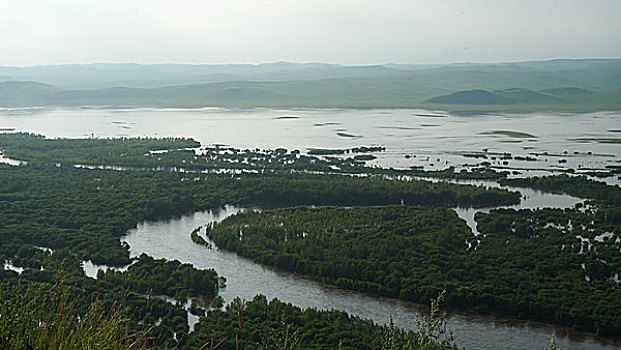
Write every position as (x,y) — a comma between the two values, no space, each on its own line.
(171,240)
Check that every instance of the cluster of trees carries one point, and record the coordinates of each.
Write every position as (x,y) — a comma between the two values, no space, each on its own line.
(162,277)
(80,214)
(180,153)
(579,186)
(263,324)
(520,266)
(168,154)
(549,265)
(38,149)
(480,173)
(524,264)
(350,190)
(337,151)
(70,295)
(44,316)
(261,318)
(87,211)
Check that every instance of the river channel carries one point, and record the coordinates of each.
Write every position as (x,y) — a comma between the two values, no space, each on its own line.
(170,240)
(546,143)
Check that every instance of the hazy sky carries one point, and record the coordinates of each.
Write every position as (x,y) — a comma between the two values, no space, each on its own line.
(336,31)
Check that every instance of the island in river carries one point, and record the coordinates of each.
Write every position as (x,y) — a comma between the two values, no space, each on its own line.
(59,198)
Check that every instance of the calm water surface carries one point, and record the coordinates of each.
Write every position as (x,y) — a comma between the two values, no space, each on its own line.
(171,240)
(556,141)
(570,140)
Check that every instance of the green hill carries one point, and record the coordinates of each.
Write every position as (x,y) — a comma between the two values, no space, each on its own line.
(527,96)
(24,92)
(568,85)
(471,97)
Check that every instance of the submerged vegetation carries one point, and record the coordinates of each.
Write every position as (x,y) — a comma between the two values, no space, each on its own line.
(373,230)
(522,265)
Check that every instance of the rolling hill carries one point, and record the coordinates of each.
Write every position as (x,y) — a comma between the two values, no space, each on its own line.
(471,97)
(523,86)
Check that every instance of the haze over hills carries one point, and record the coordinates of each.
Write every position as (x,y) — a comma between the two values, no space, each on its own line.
(520,86)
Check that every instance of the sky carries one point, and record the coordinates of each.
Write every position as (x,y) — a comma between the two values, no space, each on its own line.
(36,32)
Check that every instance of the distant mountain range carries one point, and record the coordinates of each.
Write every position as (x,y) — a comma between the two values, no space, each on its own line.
(519,86)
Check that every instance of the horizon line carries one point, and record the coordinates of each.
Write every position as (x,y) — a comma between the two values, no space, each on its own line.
(310,63)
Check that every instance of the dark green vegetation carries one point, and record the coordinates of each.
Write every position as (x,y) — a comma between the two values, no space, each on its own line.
(524,264)
(88,210)
(265,325)
(166,278)
(82,213)
(397,251)
(607,196)
(48,318)
(62,286)
(523,86)
(44,317)
(174,154)
(528,263)
(260,317)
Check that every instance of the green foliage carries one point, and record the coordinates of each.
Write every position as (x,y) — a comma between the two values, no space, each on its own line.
(519,267)
(522,266)
(282,338)
(552,345)
(431,332)
(274,325)
(163,277)
(173,154)
(385,250)
(579,186)
(277,325)
(535,260)
(48,318)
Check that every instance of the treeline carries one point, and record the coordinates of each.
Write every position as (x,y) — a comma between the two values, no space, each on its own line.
(294,190)
(50,316)
(480,173)
(176,154)
(166,154)
(579,186)
(87,211)
(67,289)
(162,277)
(519,267)
(34,147)
(263,324)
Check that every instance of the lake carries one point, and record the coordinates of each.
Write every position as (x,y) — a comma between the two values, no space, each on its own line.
(542,142)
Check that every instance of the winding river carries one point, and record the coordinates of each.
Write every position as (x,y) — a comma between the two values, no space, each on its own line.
(171,240)
(552,142)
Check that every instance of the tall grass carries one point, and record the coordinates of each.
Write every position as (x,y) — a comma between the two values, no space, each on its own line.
(49,318)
